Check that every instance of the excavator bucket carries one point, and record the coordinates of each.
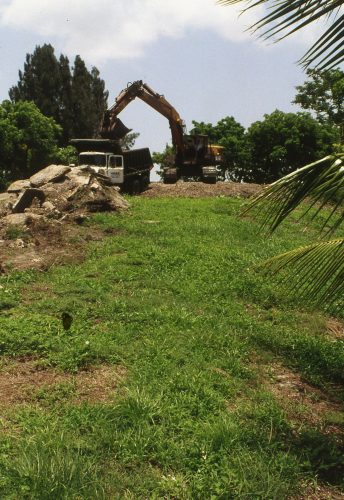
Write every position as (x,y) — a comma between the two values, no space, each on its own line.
(117,130)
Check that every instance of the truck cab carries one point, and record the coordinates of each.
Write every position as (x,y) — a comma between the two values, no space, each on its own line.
(128,169)
(108,164)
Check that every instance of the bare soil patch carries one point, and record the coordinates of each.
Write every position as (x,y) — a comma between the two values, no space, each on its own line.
(335,328)
(306,404)
(303,402)
(27,381)
(320,492)
(42,244)
(201,190)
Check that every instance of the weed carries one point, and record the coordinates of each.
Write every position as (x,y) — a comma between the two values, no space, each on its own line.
(15,232)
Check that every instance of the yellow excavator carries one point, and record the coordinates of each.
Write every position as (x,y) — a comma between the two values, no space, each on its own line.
(193,155)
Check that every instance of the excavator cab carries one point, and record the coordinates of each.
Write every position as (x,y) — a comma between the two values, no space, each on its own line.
(195,149)
(216,152)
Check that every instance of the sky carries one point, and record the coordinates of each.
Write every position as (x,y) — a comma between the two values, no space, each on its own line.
(197,53)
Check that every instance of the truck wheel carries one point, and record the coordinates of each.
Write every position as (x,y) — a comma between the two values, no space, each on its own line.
(209,180)
(144,182)
(135,187)
(170,176)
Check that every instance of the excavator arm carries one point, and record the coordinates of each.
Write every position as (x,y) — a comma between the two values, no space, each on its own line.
(113,128)
(194,156)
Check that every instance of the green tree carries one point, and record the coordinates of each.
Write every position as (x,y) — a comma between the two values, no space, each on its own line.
(231,135)
(65,156)
(323,93)
(28,139)
(65,117)
(83,112)
(285,17)
(99,99)
(283,142)
(76,99)
(89,100)
(40,81)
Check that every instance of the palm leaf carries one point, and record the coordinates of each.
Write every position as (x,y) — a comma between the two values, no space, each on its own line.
(322,182)
(314,272)
(286,17)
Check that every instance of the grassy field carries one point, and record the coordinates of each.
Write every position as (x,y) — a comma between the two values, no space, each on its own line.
(184,373)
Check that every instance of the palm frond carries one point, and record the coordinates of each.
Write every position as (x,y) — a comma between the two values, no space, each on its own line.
(314,272)
(322,182)
(285,17)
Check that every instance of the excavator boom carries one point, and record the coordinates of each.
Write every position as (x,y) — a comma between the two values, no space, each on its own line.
(194,157)
(113,128)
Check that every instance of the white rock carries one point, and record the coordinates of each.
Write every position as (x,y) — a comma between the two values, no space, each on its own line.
(48,205)
(19,243)
(79,176)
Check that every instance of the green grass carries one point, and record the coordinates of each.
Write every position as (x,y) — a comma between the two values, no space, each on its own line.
(174,298)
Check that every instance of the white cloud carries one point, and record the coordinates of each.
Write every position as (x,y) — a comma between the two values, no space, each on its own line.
(114,29)
(102,30)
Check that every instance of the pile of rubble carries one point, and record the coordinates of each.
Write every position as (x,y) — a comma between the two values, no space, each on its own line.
(58,192)
(41,218)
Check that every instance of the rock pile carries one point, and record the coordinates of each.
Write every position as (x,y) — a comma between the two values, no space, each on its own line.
(58,192)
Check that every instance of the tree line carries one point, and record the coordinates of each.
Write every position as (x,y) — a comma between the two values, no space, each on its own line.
(54,101)
(281,142)
(73,96)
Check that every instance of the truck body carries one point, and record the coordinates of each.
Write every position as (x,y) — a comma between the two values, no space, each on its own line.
(130,170)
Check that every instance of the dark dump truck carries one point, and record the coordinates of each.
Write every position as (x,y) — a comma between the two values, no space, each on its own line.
(128,169)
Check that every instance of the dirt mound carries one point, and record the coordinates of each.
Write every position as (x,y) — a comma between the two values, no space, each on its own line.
(41,217)
(201,190)
(43,243)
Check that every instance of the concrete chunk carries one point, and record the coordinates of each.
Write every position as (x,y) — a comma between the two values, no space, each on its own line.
(26,198)
(78,176)
(52,173)
(19,219)
(18,186)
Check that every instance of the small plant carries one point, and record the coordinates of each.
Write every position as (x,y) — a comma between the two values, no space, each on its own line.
(14,232)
